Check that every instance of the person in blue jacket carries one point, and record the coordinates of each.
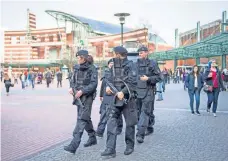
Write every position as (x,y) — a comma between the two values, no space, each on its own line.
(194,82)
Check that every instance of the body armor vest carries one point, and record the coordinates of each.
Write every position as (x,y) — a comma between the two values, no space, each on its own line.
(143,69)
(107,99)
(118,72)
(82,77)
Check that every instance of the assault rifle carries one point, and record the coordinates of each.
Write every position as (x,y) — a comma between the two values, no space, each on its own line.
(76,101)
(117,102)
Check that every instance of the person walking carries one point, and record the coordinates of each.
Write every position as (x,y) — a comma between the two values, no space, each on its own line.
(194,83)
(160,89)
(59,76)
(123,78)
(1,76)
(105,106)
(148,75)
(225,78)
(8,83)
(32,78)
(48,77)
(83,87)
(23,79)
(213,79)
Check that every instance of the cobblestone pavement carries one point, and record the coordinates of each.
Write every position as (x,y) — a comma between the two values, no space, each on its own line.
(36,124)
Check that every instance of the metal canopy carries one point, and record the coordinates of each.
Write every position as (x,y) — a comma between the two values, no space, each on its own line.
(62,16)
(213,46)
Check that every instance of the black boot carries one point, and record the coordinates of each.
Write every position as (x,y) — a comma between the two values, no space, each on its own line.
(91,141)
(139,139)
(109,153)
(99,134)
(128,150)
(70,149)
(149,131)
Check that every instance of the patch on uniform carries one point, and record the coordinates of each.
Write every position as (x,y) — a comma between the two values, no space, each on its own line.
(94,76)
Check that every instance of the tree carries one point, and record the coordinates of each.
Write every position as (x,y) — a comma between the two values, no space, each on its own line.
(68,58)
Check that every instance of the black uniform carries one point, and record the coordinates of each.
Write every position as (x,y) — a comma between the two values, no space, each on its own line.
(146,94)
(122,69)
(105,108)
(85,78)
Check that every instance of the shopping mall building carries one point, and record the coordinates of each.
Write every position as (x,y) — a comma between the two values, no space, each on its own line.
(41,48)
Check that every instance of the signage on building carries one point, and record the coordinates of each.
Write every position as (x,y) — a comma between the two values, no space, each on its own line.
(82,42)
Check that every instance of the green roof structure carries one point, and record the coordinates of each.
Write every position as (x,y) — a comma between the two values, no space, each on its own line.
(213,46)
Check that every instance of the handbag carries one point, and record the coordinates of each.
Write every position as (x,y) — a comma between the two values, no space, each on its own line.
(208,88)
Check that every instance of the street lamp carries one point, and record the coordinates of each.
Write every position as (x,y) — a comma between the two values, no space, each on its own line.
(122,21)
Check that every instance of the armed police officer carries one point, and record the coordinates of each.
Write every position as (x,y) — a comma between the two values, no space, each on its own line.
(83,88)
(148,74)
(105,105)
(123,83)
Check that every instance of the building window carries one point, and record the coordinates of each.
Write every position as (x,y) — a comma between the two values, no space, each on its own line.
(42,39)
(51,38)
(13,40)
(22,39)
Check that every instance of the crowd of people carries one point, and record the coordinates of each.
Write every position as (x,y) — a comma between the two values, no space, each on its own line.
(30,77)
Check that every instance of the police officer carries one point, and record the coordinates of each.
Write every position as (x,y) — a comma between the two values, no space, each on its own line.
(105,105)
(83,85)
(123,77)
(148,74)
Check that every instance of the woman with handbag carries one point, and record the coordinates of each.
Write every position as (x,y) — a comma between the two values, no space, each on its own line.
(194,82)
(7,82)
(213,81)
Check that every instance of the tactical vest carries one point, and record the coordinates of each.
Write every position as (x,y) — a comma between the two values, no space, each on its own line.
(118,73)
(107,99)
(143,69)
(82,77)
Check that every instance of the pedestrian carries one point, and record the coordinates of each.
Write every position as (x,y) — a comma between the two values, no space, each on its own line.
(83,87)
(213,79)
(148,74)
(59,76)
(225,78)
(165,75)
(48,77)
(23,79)
(123,78)
(160,89)
(178,76)
(8,83)
(32,78)
(16,78)
(194,83)
(1,75)
(105,107)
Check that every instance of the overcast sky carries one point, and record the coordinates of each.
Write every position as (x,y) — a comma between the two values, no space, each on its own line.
(164,16)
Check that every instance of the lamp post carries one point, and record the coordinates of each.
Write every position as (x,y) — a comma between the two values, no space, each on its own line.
(122,21)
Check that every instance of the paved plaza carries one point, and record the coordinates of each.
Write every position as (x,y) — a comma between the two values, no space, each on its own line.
(36,124)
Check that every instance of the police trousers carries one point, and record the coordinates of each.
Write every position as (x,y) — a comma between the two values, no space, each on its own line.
(84,122)
(146,113)
(129,111)
(104,116)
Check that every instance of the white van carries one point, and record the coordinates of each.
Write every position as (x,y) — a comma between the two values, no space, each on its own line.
(184,67)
